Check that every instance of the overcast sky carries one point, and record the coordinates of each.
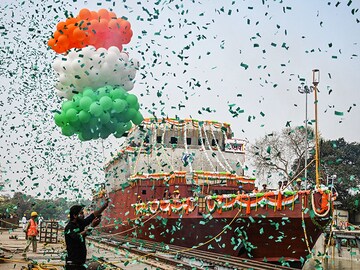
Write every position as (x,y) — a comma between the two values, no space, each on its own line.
(212,57)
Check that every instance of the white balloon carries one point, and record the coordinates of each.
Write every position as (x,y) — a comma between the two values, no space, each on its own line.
(114,49)
(57,65)
(124,56)
(89,67)
(128,86)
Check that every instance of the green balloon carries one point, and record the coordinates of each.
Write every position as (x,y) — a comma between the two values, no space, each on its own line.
(86,135)
(118,93)
(135,106)
(88,92)
(119,130)
(85,103)
(71,115)
(101,92)
(104,133)
(67,130)
(127,126)
(96,109)
(104,118)
(76,125)
(67,105)
(93,123)
(111,125)
(131,99)
(130,114)
(60,119)
(138,118)
(106,103)
(119,105)
(84,116)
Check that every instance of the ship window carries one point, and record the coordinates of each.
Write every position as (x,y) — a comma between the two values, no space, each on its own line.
(158,139)
(213,142)
(199,141)
(188,141)
(173,140)
(143,192)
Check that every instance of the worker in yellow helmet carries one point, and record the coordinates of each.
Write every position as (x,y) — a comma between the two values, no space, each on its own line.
(32,232)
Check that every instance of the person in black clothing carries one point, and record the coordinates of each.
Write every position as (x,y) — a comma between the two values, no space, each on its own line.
(75,233)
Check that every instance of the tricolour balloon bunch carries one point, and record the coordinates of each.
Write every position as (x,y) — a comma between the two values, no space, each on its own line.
(101,29)
(94,75)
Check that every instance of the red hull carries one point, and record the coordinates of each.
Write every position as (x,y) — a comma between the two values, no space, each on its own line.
(265,234)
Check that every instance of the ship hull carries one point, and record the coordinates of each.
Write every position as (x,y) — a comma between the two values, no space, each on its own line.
(264,234)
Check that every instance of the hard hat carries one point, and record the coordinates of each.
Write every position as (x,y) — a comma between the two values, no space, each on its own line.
(177,191)
(298,180)
(34,214)
(139,196)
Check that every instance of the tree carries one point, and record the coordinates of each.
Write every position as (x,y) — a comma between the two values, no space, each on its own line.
(341,160)
(281,153)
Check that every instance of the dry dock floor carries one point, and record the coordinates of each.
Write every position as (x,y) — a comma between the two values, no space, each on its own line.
(53,253)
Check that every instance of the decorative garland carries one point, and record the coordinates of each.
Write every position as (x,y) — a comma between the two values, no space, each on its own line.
(225,202)
(166,206)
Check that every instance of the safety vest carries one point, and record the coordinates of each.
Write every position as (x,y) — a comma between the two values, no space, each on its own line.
(32,231)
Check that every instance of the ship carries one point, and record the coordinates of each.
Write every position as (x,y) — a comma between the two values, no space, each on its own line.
(182,182)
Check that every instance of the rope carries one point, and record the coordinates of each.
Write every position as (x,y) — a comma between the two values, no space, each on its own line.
(204,150)
(138,156)
(133,228)
(163,147)
(186,149)
(304,227)
(211,150)
(154,143)
(195,247)
(218,149)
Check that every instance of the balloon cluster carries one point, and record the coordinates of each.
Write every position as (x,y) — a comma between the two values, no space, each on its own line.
(95,68)
(97,114)
(101,29)
(96,76)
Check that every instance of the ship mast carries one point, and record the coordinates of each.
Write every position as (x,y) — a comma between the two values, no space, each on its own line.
(316,79)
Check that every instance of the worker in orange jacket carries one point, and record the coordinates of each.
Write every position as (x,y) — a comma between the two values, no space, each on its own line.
(31,231)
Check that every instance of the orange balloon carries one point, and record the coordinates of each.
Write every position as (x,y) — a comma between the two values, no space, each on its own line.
(112,15)
(60,26)
(103,25)
(51,42)
(79,34)
(57,34)
(113,24)
(71,20)
(94,24)
(124,25)
(59,49)
(70,29)
(63,41)
(85,14)
(94,15)
(104,14)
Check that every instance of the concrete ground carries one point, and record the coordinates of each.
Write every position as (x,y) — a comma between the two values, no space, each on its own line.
(12,243)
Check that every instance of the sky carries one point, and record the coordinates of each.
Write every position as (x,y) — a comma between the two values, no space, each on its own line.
(239,62)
